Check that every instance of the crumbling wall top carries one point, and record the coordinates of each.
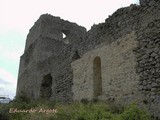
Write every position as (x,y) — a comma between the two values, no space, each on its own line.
(54,28)
(148,2)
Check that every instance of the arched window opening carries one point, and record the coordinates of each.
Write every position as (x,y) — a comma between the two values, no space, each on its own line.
(97,77)
(46,90)
(65,33)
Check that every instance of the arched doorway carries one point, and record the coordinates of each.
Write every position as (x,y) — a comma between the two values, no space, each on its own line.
(46,90)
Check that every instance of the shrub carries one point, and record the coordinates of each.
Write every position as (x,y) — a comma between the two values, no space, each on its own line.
(4,115)
(74,111)
(22,98)
(132,112)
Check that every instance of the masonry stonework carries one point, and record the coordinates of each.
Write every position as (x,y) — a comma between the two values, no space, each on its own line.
(117,60)
(119,77)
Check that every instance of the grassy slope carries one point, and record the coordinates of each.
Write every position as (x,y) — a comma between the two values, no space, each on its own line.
(73,111)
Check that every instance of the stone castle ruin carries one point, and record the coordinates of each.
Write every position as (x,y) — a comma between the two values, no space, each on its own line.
(117,60)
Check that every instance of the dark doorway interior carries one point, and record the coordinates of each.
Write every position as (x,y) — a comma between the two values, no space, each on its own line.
(46,90)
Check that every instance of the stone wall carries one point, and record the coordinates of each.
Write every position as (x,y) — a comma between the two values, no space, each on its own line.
(148,2)
(148,67)
(118,69)
(144,21)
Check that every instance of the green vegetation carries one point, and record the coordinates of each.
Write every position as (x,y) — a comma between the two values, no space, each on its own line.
(74,111)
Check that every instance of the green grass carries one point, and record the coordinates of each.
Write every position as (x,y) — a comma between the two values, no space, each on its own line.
(73,111)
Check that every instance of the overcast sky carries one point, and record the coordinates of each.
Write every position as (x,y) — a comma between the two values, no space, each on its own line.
(18,16)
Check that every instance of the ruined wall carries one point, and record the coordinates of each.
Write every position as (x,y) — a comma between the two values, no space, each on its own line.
(127,44)
(119,77)
(148,67)
(144,21)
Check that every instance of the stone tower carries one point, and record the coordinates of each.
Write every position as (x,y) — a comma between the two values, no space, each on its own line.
(45,69)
